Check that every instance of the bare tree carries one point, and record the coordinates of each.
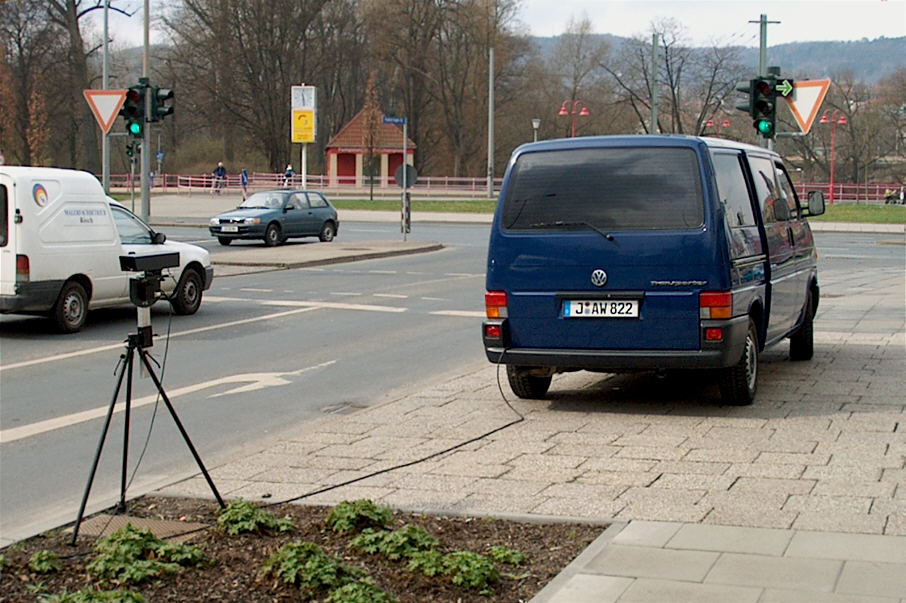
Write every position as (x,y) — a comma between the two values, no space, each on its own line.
(371,113)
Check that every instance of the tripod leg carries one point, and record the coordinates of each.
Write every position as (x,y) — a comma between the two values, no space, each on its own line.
(121,507)
(126,366)
(185,436)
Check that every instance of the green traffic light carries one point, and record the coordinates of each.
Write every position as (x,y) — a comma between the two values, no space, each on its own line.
(135,128)
(764,126)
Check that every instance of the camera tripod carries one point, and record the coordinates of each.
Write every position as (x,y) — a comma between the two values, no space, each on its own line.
(136,343)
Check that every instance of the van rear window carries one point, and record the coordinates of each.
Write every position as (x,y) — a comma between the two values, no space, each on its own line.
(610,189)
(4,216)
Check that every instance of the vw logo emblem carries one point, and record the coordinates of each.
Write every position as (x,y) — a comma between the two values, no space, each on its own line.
(598,278)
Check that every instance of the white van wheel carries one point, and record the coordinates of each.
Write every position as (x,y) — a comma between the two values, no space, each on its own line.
(71,310)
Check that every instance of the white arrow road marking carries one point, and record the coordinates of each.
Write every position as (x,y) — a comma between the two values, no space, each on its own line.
(255,381)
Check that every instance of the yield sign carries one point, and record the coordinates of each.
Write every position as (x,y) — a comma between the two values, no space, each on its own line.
(805,101)
(105,104)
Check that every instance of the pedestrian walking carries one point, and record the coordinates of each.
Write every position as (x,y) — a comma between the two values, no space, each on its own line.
(288,175)
(219,173)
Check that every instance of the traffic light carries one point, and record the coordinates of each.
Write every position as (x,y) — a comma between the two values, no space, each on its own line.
(133,148)
(764,105)
(746,105)
(134,111)
(159,107)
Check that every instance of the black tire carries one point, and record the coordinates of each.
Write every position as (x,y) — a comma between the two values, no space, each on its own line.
(802,342)
(71,310)
(187,297)
(272,235)
(328,232)
(738,383)
(525,385)
(224,240)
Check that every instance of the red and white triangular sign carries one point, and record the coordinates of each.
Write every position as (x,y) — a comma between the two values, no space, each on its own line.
(805,101)
(105,104)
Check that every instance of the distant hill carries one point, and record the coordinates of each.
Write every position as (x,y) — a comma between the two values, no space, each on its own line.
(869,60)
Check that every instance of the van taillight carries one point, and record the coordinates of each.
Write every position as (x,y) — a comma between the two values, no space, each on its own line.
(22,269)
(715,304)
(495,304)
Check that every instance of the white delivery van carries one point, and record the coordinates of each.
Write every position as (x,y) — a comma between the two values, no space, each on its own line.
(61,239)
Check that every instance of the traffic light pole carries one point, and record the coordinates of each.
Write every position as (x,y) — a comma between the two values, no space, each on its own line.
(146,130)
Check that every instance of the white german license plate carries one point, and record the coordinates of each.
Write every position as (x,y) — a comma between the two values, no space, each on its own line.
(229,229)
(601,308)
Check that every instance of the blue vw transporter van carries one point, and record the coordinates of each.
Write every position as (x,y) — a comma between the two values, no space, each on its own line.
(626,253)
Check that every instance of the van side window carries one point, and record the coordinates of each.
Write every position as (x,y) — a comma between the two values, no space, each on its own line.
(4,217)
(131,231)
(731,186)
(787,191)
(773,207)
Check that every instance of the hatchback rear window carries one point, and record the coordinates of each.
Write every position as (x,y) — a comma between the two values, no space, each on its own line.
(608,189)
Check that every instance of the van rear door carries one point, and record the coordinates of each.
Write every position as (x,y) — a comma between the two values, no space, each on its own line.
(605,249)
(7,231)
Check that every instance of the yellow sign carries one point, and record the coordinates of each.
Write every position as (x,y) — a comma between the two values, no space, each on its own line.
(303,128)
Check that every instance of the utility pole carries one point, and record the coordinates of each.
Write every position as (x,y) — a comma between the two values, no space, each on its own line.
(654,69)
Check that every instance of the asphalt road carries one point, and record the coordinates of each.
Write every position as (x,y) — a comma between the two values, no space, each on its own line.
(268,351)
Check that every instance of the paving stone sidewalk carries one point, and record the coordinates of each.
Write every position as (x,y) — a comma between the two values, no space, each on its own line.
(797,497)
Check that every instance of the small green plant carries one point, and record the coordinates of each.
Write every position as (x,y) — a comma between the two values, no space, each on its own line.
(362,591)
(308,567)
(132,555)
(353,516)
(404,542)
(502,554)
(465,568)
(242,516)
(429,563)
(89,595)
(45,562)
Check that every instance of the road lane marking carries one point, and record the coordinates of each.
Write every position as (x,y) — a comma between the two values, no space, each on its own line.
(459,313)
(252,290)
(334,306)
(252,381)
(391,295)
(115,346)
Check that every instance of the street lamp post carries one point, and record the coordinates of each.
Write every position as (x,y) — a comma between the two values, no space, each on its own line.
(536,123)
(572,108)
(712,123)
(836,117)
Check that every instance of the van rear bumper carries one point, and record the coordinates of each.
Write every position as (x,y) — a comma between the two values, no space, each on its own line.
(31,297)
(712,355)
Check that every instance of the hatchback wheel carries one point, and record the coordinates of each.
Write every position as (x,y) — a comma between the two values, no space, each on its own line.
(273,236)
(328,232)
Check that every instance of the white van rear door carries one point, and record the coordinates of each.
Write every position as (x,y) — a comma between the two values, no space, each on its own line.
(7,244)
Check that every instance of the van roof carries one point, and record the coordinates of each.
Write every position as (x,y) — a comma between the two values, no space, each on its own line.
(76,180)
(672,140)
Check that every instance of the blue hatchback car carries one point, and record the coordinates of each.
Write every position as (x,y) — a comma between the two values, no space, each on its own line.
(647,253)
(275,216)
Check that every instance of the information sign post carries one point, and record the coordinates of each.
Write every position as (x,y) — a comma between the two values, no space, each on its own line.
(304,122)
(403,179)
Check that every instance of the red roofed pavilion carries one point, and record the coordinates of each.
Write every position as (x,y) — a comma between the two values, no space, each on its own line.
(346,154)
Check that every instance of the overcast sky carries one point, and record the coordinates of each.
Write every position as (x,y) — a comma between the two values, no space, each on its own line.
(706,21)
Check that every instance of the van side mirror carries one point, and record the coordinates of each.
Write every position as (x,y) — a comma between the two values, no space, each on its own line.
(158,238)
(815,203)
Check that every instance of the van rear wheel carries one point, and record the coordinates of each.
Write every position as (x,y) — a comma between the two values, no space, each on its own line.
(71,310)
(526,385)
(802,342)
(738,383)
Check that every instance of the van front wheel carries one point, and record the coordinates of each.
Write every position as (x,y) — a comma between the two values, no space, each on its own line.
(739,382)
(71,310)
(526,385)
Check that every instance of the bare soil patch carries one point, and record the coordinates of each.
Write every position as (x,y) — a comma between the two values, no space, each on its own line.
(233,563)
